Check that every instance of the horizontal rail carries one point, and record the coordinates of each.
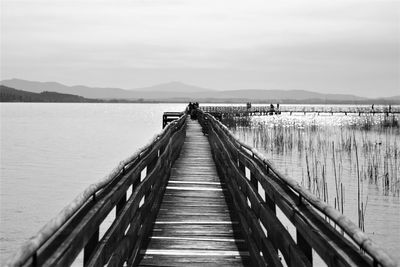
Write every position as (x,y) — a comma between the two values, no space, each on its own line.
(88,210)
(295,201)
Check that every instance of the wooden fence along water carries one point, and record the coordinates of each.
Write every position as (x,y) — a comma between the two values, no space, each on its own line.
(219,212)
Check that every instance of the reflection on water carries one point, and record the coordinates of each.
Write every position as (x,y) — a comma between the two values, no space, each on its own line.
(330,154)
(52,152)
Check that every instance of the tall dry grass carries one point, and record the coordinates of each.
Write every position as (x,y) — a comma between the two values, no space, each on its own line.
(329,147)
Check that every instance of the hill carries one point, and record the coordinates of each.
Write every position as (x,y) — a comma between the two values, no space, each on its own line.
(8,94)
(161,91)
(180,92)
(276,95)
(84,91)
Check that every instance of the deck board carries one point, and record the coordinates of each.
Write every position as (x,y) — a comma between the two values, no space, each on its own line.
(195,224)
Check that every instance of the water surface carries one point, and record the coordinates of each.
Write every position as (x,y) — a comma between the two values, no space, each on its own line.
(52,152)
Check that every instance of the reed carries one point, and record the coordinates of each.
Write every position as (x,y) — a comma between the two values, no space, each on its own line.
(331,153)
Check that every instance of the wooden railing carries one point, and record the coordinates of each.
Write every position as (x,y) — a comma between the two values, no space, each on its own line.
(134,190)
(258,189)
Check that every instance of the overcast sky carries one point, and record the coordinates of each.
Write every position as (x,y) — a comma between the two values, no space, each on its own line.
(341,46)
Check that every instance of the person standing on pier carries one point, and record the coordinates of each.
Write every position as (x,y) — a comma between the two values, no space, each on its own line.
(192,110)
(271,109)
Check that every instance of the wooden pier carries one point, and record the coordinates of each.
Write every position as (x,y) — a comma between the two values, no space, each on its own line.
(195,224)
(242,110)
(198,196)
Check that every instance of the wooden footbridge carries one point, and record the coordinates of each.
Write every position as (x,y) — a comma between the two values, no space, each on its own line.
(220,111)
(196,196)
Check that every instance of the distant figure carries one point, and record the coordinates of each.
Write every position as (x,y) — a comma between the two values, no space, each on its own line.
(271,109)
(193,110)
(372,106)
(277,106)
(189,108)
(390,108)
(248,105)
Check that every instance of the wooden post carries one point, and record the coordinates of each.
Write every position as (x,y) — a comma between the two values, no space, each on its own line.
(120,205)
(34,259)
(270,203)
(163,122)
(254,181)
(304,246)
(152,164)
(268,200)
(90,247)
(242,167)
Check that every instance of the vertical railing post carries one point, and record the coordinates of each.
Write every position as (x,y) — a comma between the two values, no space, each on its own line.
(268,199)
(150,167)
(242,169)
(120,205)
(304,246)
(164,121)
(152,164)
(90,247)
(241,166)
(254,181)
(270,203)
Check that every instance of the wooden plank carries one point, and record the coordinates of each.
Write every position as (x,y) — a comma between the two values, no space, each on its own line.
(195,218)
(196,244)
(195,224)
(196,260)
(210,211)
(198,230)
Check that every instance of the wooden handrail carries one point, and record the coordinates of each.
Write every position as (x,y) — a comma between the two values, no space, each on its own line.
(257,160)
(125,174)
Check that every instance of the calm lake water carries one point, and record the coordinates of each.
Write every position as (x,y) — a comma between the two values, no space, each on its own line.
(52,152)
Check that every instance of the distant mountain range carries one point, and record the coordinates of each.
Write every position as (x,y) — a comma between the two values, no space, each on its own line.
(180,92)
(8,94)
(162,91)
